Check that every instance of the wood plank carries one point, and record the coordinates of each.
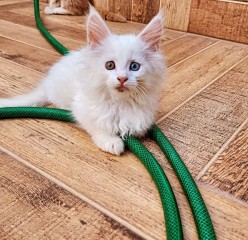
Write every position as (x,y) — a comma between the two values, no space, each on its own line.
(12,6)
(7,2)
(184,47)
(177,13)
(34,207)
(230,172)
(27,55)
(32,36)
(219,19)
(229,218)
(144,11)
(188,77)
(200,127)
(101,4)
(122,6)
(75,35)
(16,79)
(120,184)
(53,27)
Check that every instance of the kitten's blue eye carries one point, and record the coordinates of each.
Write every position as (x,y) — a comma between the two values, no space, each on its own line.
(110,65)
(134,66)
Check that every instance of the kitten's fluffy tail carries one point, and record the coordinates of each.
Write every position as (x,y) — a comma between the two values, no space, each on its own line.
(35,98)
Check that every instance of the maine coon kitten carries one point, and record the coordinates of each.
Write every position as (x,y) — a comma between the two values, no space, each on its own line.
(80,7)
(111,86)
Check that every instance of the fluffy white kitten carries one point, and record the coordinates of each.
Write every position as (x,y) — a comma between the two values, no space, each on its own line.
(111,86)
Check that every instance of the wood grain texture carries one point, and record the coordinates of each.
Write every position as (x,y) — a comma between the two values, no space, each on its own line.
(19,5)
(201,126)
(102,4)
(122,6)
(144,11)
(184,47)
(7,2)
(177,13)
(188,77)
(54,28)
(26,55)
(219,19)
(230,171)
(16,79)
(32,207)
(32,36)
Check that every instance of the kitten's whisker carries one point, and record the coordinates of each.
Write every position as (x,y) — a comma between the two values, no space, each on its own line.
(142,82)
(144,94)
(149,96)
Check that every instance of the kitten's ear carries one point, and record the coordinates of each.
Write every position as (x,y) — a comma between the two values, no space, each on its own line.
(97,30)
(152,33)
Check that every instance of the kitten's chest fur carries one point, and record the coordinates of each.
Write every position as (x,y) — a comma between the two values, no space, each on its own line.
(123,116)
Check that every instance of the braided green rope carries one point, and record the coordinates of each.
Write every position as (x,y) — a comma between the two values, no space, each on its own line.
(171,213)
(57,45)
(202,219)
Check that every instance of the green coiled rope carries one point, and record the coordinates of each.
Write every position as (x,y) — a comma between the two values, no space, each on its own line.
(172,219)
(57,45)
(201,216)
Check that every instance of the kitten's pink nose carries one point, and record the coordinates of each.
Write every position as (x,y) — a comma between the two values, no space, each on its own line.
(122,79)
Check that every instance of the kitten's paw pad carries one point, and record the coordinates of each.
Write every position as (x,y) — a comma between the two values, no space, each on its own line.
(113,145)
(49,10)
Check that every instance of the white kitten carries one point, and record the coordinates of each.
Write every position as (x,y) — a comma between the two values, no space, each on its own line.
(111,86)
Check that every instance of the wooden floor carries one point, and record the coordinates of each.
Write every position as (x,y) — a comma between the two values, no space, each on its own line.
(55,184)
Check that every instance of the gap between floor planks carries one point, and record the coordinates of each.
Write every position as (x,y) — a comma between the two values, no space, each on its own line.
(221,150)
(34,206)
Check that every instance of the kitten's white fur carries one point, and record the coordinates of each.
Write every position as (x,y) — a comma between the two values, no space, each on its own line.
(81,83)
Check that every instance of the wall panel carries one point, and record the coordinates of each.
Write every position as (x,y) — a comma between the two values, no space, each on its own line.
(220,19)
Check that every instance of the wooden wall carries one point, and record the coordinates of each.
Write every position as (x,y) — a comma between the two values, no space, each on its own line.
(221,19)
(134,10)
(177,13)
(217,18)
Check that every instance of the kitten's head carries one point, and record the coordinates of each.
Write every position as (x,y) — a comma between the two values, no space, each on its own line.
(126,64)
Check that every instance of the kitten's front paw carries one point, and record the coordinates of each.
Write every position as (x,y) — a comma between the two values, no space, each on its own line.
(113,145)
(48,10)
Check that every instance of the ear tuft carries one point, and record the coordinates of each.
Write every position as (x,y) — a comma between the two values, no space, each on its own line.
(97,30)
(153,32)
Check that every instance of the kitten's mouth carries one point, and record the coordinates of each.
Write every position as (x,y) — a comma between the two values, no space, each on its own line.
(122,89)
